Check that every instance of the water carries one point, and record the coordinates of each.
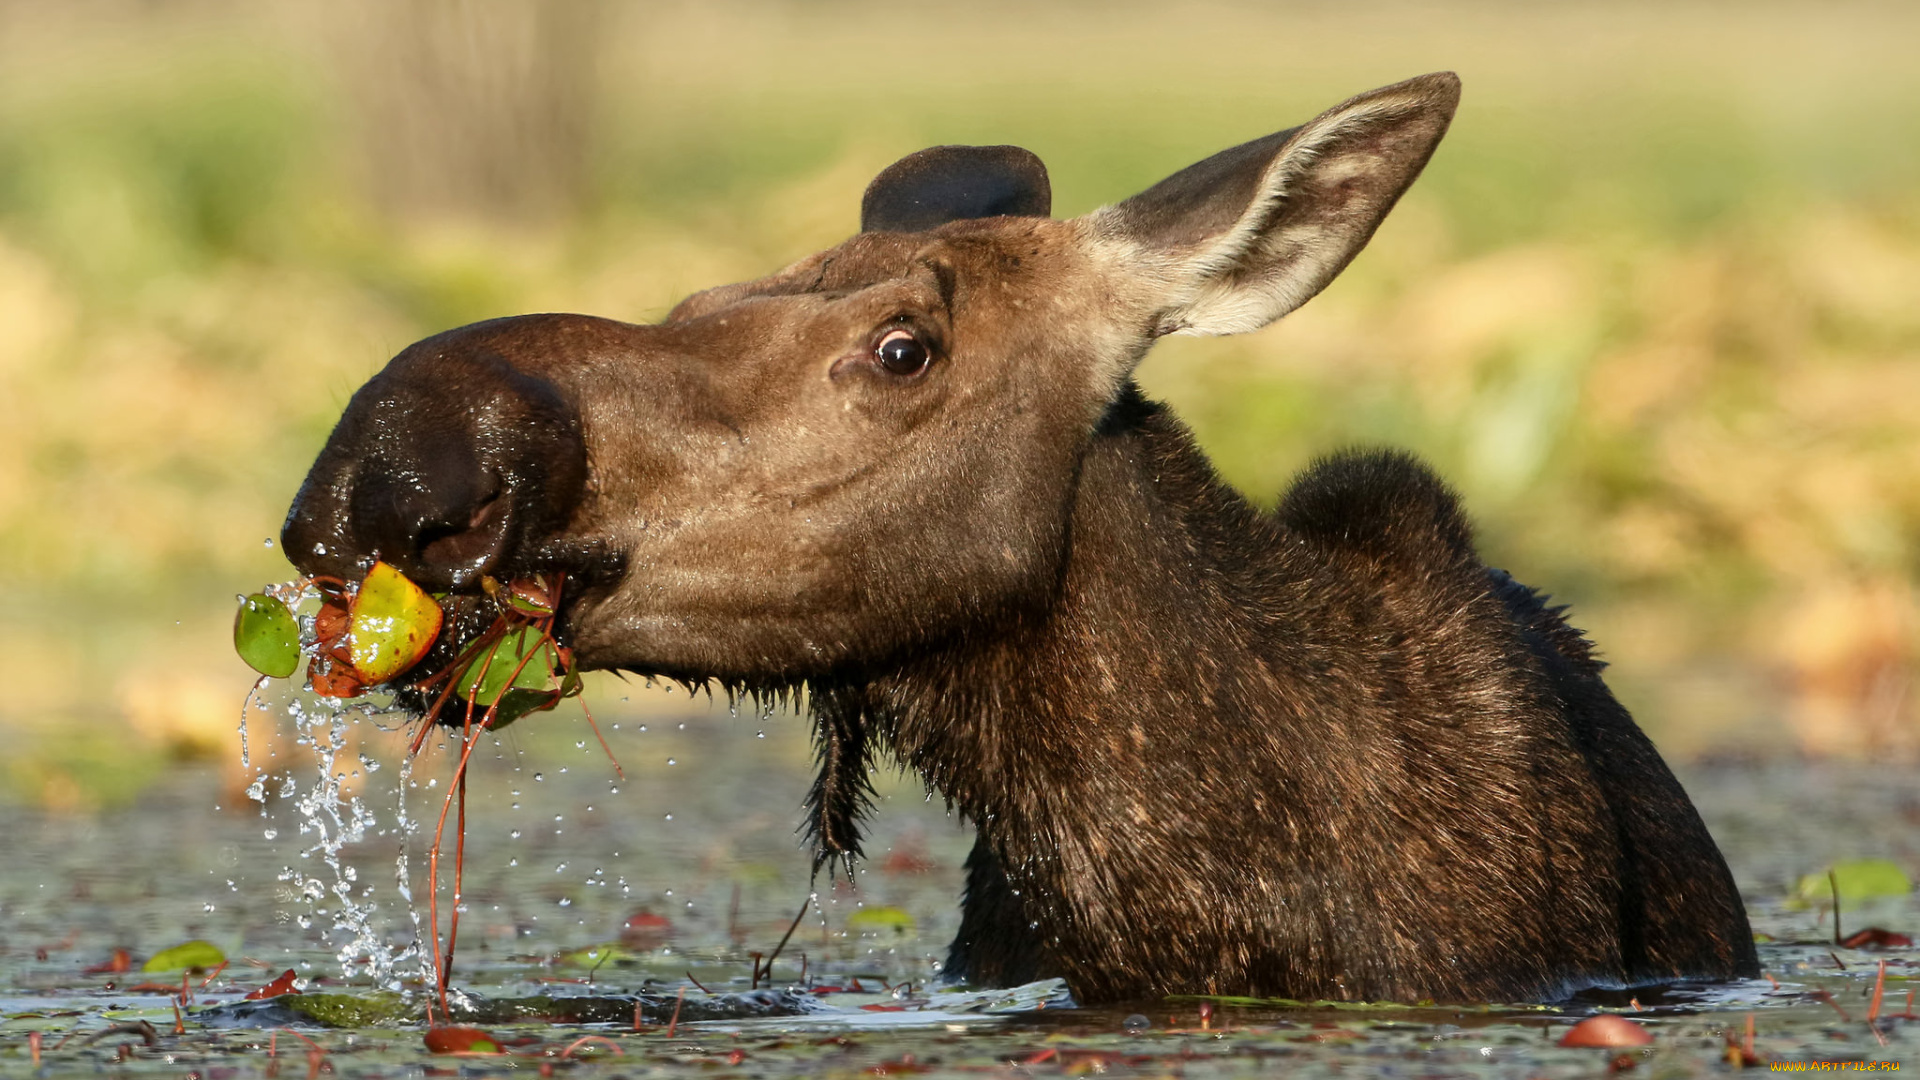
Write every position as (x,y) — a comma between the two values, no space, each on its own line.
(562,857)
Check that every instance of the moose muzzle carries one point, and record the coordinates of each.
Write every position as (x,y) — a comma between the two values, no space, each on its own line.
(450,464)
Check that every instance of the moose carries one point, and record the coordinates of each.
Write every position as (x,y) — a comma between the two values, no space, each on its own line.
(1322,752)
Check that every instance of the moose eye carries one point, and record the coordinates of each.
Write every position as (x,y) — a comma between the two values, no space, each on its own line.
(901,353)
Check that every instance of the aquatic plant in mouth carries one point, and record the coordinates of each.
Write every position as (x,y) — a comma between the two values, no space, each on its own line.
(373,635)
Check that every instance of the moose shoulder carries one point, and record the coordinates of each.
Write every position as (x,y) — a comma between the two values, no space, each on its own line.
(1317,753)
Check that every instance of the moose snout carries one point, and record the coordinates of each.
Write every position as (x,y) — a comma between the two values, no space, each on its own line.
(453,463)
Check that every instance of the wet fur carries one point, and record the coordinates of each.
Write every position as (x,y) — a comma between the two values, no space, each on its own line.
(1319,753)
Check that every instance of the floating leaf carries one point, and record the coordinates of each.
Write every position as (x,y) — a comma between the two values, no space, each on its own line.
(121,961)
(266,636)
(646,930)
(391,624)
(1874,937)
(1858,879)
(274,989)
(461,1040)
(485,680)
(1606,1030)
(880,917)
(596,956)
(186,956)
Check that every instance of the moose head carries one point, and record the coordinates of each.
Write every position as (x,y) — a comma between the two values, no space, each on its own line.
(866,451)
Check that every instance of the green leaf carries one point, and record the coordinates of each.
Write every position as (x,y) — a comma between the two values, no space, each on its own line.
(186,956)
(266,636)
(881,917)
(485,680)
(515,704)
(1858,879)
(595,956)
(392,625)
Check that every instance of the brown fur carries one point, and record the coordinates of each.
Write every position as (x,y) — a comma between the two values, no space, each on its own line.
(1322,752)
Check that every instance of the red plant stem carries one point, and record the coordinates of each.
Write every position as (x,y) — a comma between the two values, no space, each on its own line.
(678,1001)
(433,864)
(1879,992)
(459,868)
(493,634)
(443,962)
(444,974)
(585,1039)
(617,770)
(784,938)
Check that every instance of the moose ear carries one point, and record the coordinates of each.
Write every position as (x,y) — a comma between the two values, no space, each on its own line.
(1253,232)
(950,183)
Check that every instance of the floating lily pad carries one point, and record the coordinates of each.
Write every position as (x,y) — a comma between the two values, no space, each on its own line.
(392,624)
(596,956)
(461,1040)
(186,956)
(1858,879)
(881,917)
(266,636)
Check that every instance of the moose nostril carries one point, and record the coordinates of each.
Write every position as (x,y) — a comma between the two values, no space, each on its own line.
(450,464)
(443,521)
(465,551)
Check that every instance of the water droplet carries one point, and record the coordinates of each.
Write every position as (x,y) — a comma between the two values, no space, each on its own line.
(539,777)
(1136,1023)
(566,901)
(271,834)
(515,834)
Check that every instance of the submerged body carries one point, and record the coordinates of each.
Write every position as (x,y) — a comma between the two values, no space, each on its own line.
(1317,753)
(1344,761)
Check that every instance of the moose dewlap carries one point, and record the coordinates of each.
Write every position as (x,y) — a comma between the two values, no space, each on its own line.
(1323,752)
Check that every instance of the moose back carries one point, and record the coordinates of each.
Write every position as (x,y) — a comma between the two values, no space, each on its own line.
(1322,752)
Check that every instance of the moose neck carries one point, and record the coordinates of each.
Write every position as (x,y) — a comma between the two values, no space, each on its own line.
(1167,587)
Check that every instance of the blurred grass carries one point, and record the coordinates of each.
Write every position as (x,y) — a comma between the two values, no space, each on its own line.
(1655,307)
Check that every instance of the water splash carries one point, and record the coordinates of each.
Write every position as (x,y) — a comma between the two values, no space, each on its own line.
(335,816)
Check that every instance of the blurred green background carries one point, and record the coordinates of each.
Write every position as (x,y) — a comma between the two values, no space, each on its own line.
(1654,308)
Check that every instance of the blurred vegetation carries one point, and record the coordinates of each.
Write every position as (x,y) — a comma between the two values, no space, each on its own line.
(1655,307)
